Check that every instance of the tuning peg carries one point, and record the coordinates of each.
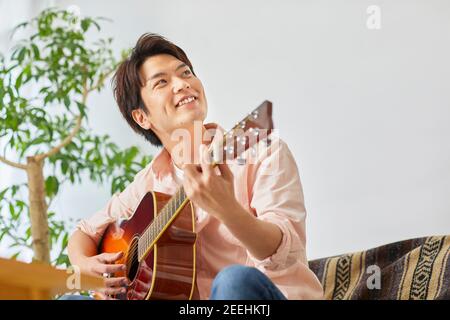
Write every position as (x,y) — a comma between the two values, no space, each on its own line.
(254,114)
(241,161)
(229,149)
(254,131)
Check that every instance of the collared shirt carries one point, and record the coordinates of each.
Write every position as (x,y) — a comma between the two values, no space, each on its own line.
(269,187)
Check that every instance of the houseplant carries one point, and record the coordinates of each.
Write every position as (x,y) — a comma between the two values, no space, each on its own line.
(45,83)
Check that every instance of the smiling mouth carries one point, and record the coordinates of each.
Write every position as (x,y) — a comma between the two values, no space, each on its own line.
(186,101)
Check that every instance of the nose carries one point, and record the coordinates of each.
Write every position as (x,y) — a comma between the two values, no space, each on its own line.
(180,84)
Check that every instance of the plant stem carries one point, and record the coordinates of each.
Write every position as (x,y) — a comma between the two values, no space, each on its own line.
(38,210)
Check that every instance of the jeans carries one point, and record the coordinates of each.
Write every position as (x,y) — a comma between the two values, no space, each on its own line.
(235,282)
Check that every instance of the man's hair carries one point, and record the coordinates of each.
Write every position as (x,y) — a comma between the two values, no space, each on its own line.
(127,82)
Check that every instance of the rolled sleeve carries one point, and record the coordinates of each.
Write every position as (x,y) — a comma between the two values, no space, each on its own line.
(277,197)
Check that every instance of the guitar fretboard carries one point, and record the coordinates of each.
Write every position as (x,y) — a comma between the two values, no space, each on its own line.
(156,228)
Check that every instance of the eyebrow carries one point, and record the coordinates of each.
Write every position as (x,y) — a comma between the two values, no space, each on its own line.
(159,74)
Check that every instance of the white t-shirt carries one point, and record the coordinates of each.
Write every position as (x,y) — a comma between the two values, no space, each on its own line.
(179,174)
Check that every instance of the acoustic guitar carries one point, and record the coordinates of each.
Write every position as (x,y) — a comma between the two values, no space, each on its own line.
(159,238)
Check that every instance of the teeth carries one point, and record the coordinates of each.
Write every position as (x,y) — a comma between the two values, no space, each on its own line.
(187,100)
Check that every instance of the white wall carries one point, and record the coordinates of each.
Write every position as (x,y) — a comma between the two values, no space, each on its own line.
(365,112)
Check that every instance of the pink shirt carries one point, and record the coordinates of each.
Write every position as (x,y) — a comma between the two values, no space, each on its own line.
(270,188)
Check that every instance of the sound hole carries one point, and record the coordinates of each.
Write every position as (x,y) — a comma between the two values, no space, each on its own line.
(132,260)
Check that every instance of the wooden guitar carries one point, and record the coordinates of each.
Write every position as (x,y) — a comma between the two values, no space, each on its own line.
(159,239)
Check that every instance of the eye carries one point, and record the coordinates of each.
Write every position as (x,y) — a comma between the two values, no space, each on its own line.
(187,72)
(160,82)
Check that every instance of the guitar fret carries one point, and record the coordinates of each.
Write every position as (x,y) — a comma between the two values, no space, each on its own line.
(180,198)
(139,247)
(151,235)
(158,224)
(147,239)
(163,220)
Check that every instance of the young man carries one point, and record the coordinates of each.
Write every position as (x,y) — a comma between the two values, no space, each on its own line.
(250,223)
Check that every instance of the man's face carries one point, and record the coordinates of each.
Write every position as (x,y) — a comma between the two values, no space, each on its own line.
(173,96)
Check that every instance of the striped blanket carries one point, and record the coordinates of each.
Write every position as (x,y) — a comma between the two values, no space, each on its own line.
(416,269)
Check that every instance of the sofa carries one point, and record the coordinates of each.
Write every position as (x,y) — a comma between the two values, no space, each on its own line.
(414,269)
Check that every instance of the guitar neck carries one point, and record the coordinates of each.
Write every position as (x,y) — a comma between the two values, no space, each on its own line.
(164,218)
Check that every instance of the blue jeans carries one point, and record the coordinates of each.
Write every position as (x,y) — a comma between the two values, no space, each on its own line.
(235,282)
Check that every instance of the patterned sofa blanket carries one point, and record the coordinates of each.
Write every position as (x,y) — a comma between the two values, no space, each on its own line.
(415,269)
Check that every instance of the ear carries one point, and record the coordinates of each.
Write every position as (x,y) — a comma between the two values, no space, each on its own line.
(141,118)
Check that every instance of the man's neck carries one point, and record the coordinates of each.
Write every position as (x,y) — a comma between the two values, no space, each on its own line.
(185,145)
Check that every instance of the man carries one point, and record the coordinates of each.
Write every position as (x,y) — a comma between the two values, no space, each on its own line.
(250,222)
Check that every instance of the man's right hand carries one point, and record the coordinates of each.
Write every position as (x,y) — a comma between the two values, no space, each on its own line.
(102,264)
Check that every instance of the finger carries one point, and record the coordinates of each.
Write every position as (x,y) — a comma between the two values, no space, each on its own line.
(112,291)
(138,295)
(190,171)
(102,296)
(108,268)
(110,257)
(146,273)
(116,282)
(205,161)
(142,286)
(225,171)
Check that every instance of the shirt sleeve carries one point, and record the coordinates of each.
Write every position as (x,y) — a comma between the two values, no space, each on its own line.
(121,205)
(277,197)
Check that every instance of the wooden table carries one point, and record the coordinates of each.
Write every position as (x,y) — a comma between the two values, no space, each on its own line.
(37,281)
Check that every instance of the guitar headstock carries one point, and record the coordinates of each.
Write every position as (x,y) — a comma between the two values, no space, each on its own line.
(247,133)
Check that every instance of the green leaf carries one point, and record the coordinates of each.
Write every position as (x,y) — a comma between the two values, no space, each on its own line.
(12,211)
(18,83)
(82,109)
(51,186)
(65,240)
(21,55)
(2,234)
(64,167)
(14,256)
(35,52)
(28,233)
(3,192)
(85,23)
(67,101)
(131,154)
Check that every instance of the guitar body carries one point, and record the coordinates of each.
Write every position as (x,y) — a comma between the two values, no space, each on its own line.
(168,270)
